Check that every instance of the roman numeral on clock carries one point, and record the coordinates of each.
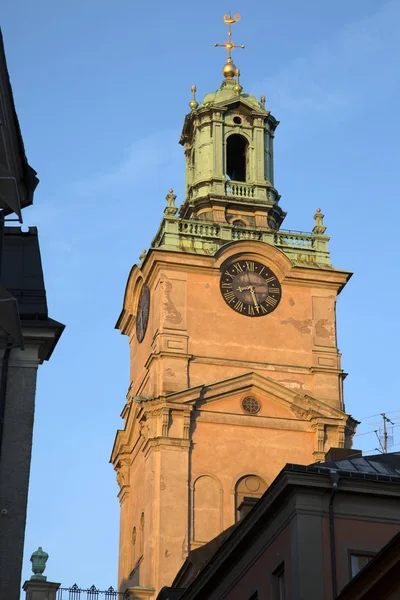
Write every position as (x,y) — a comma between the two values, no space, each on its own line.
(273,290)
(239,306)
(230,296)
(229,275)
(270,279)
(271,301)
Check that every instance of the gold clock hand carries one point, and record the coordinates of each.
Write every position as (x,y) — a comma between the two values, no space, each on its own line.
(253,295)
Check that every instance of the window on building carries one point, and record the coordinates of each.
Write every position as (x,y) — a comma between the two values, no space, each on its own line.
(358,560)
(206,508)
(278,583)
(239,223)
(250,486)
(236,157)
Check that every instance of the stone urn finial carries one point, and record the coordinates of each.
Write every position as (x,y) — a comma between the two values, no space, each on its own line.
(170,209)
(38,560)
(143,255)
(319,228)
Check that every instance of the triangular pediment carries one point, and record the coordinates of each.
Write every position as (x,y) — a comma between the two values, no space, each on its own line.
(243,102)
(275,398)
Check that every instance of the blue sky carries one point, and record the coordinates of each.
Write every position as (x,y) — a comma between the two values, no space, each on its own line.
(101,90)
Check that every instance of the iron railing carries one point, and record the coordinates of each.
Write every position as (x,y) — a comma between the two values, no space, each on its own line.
(92,593)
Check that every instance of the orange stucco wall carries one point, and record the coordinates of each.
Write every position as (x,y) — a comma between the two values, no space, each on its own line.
(184,432)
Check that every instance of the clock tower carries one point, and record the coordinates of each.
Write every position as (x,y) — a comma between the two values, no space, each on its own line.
(234,365)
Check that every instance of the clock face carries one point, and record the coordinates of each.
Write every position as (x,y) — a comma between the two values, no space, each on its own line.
(142,316)
(250,288)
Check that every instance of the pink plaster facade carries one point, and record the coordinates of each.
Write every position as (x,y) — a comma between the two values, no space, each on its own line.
(187,440)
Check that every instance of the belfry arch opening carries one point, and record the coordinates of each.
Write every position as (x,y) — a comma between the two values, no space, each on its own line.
(236,157)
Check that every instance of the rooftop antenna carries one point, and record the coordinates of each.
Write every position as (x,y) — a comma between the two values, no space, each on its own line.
(385,433)
(385,437)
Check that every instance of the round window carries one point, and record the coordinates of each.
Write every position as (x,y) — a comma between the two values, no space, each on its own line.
(237,120)
(250,405)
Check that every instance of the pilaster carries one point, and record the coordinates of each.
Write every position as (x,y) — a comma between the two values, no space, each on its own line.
(167,496)
(16,448)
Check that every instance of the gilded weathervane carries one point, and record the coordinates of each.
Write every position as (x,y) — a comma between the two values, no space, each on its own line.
(229,69)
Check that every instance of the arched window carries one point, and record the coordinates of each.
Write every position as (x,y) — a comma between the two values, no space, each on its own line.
(250,486)
(141,536)
(133,548)
(206,508)
(236,157)
(239,223)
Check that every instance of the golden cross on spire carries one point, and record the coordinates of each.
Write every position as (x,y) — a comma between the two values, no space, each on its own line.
(229,45)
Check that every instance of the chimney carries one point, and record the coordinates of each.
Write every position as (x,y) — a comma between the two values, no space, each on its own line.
(245,506)
(342,454)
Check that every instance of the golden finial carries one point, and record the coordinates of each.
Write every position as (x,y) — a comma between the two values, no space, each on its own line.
(238,88)
(229,68)
(193,103)
(262,98)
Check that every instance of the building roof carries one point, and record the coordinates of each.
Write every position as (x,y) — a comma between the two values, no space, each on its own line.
(378,464)
(226,92)
(22,275)
(18,179)
(22,272)
(197,559)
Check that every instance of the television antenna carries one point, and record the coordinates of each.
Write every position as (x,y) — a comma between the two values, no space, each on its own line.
(383,438)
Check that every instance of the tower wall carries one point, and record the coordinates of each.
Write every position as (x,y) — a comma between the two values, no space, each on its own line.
(234,364)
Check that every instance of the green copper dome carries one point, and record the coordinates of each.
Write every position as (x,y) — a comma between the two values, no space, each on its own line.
(227,92)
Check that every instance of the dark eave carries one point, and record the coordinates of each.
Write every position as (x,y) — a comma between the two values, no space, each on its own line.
(22,276)
(15,164)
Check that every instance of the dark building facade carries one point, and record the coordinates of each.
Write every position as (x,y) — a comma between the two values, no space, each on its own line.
(380,577)
(27,337)
(314,529)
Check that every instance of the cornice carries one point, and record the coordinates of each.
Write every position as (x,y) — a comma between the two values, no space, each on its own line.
(330,277)
(259,421)
(123,440)
(251,364)
(123,494)
(159,259)
(139,592)
(170,354)
(157,444)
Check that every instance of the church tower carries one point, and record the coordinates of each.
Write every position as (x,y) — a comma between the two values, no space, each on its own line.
(234,366)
